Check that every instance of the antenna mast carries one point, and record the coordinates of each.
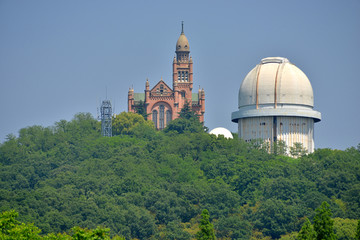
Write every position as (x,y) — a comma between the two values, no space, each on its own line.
(106,118)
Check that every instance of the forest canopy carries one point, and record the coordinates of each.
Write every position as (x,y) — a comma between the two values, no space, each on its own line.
(149,184)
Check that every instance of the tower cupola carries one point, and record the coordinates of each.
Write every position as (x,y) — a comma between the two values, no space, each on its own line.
(182,46)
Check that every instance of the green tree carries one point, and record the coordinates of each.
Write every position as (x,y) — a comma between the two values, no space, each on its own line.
(297,150)
(89,234)
(173,231)
(10,228)
(206,231)
(307,232)
(187,112)
(323,224)
(141,109)
(233,227)
(290,236)
(188,121)
(279,147)
(127,122)
(345,228)
(181,125)
(357,235)
(83,125)
(275,217)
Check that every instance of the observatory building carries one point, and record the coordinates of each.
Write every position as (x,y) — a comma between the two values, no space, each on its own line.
(221,131)
(276,103)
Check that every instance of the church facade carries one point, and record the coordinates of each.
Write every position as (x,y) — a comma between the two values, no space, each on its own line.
(162,103)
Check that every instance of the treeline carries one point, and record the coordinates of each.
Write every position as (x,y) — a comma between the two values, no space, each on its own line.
(323,228)
(149,184)
(11,229)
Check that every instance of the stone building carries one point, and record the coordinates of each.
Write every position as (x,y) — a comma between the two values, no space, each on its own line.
(276,103)
(163,103)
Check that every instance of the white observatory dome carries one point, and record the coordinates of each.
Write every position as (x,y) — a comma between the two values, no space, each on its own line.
(276,102)
(276,87)
(276,80)
(222,131)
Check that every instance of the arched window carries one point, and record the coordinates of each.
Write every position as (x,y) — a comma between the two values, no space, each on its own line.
(183,94)
(168,117)
(154,117)
(161,117)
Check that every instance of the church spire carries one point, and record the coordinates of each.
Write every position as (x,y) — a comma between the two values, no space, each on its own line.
(182,27)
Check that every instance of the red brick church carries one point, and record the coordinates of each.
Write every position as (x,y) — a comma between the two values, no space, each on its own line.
(163,103)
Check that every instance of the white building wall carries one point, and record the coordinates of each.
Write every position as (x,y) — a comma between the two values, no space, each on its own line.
(288,129)
(256,128)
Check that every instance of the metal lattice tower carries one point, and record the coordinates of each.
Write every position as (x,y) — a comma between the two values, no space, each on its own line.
(106,118)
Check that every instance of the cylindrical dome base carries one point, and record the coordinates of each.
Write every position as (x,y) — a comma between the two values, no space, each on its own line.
(271,129)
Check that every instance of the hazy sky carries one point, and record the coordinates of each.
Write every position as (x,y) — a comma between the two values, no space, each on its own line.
(57,58)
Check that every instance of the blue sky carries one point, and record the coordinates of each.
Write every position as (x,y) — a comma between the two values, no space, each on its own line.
(57,58)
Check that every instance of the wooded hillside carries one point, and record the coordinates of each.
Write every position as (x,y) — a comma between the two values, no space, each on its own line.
(146,184)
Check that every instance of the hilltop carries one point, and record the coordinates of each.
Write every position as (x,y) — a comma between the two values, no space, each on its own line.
(144,183)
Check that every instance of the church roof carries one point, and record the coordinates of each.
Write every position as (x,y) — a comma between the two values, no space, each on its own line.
(139,97)
(195,98)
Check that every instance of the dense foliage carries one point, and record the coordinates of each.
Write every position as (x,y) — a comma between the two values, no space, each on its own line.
(11,228)
(147,184)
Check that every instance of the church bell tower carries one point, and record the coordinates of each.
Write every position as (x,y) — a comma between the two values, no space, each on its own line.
(183,69)
(163,104)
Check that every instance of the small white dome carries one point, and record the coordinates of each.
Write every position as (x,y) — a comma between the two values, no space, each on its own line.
(222,131)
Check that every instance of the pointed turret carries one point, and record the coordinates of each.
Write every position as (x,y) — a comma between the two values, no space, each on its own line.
(202,103)
(130,99)
(147,90)
(147,85)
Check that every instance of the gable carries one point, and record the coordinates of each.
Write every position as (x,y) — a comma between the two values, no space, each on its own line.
(161,89)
